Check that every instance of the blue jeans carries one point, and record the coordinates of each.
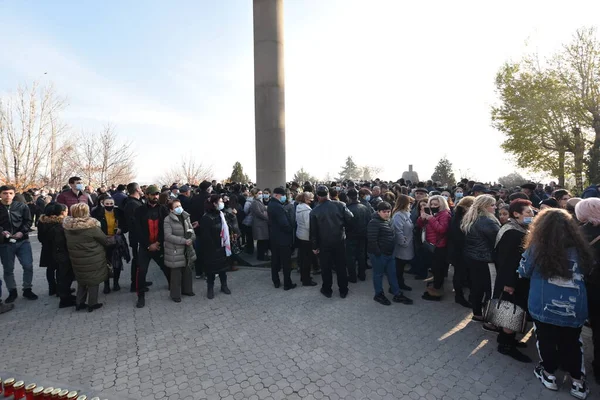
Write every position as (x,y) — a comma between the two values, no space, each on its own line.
(22,251)
(384,265)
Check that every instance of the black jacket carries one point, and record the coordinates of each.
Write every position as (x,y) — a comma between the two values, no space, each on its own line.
(45,233)
(380,237)
(196,210)
(362,216)
(281,230)
(15,218)
(456,238)
(58,245)
(368,205)
(141,224)
(481,240)
(327,223)
(186,202)
(100,214)
(128,224)
(509,252)
(213,254)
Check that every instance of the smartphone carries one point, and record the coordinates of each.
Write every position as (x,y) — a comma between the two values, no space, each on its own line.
(427,210)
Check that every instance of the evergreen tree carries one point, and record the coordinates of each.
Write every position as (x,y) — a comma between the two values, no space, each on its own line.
(238,175)
(350,170)
(444,173)
(302,176)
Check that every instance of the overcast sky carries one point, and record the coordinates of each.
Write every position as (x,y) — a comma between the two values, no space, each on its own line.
(388,82)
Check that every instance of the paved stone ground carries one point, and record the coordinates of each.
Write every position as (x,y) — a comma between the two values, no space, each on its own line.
(264,343)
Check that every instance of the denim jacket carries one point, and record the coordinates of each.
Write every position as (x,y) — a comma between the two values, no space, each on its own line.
(556,301)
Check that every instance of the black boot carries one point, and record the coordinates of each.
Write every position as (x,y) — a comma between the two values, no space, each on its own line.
(460,299)
(116,286)
(67,302)
(141,302)
(512,351)
(224,287)
(210,292)
(106,287)
(12,296)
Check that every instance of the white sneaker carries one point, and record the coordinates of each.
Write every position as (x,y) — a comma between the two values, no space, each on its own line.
(549,381)
(579,390)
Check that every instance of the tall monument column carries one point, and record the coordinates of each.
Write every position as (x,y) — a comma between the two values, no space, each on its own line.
(269,93)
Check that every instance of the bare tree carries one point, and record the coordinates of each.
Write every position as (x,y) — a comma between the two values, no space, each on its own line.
(188,171)
(29,127)
(116,158)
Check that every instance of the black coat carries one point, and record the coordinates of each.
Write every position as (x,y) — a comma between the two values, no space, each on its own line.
(481,240)
(212,253)
(128,224)
(45,233)
(380,237)
(281,229)
(362,216)
(327,223)
(196,210)
(57,243)
(186,202)
(508,256)
(456,236)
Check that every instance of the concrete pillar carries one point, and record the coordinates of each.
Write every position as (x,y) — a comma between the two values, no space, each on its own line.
(269,93)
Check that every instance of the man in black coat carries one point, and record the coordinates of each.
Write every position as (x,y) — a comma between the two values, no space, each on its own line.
(327,223)
(356,238)
(281,233)
(128,207)
(149,220)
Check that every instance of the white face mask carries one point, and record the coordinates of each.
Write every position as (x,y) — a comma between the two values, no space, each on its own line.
(178,210)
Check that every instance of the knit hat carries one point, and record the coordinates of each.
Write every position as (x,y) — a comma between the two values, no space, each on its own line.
(152,189)
(205,185)
(588,210)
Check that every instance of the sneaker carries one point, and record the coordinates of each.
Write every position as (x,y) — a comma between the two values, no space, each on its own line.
(579,390)
(400,298)
(12,296)
(549,381)
(28,294)
(405,288)
(513,352)
(381,299)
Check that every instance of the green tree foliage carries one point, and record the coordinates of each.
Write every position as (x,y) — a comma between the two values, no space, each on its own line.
(444,173)
(238,175)
(512,180)
(350,170)
(302,176)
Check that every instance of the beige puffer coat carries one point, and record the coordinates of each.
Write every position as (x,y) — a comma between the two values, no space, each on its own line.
(175,248)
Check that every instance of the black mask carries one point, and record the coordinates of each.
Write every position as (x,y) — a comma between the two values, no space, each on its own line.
(109,208)
(435,210)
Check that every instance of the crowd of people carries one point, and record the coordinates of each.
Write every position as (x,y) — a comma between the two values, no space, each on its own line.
(534,246)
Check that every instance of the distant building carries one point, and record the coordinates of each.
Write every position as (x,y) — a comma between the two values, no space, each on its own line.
(410,175)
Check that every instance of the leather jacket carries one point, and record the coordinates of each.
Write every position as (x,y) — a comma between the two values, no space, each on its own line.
(481,240)
(362,216)
(15,218)
(327,223)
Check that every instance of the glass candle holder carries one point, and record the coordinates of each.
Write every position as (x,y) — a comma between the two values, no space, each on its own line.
(37,393)
(47,393)
(72,395)
(55,393)
(8,386)
(19,390)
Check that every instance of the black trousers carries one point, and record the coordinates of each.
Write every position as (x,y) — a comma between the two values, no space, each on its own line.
(247,231)
(560,346)
(134,261)
(144,261)
(261,249)
(334,258)
(595,323)
(210,278)
(64,278)
(356,250)
(281,258)
(400,264)
(52,276)
(439,266)
(481,284)
(305,260)
(460,278)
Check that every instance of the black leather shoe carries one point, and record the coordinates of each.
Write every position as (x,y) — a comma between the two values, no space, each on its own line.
(28,294)
(343,295)
(311,283)
(277,285)
(12,296)
(400,298)
(66,303)
(81,306)
(116,287)
(292,286)
(94,307)
(463,302)
(141,302)
(176,299)
(326,294)
(210,293)
(225,289)
(106,289)
(189,294)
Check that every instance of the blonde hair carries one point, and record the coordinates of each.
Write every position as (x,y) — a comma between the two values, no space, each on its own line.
(466,202)
(441,200)
(80,210)
(255,191)
(478,210)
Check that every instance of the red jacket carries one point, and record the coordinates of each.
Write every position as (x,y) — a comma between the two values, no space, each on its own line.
(436,228)
(69,198)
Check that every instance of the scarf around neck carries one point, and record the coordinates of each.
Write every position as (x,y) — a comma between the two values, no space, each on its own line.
(510,225)
(225,240)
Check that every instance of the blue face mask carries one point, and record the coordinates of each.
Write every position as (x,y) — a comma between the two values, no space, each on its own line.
(79,187)
(283,199)
(266,196)
(458,195)
(527,220)
(221,206)
(178,210)
(368,197)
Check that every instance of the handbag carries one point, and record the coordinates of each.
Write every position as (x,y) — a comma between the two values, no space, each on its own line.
(505,314)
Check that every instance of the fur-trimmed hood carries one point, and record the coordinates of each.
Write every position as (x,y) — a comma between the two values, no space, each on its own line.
(52,219)
(74,224)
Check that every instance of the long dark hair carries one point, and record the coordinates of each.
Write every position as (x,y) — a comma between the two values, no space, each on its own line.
(208,204)
(552,233)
